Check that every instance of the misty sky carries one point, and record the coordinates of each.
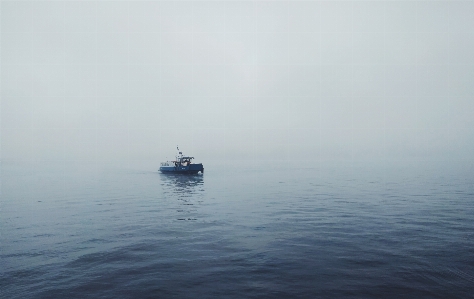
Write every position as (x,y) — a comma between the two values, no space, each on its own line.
(240,80)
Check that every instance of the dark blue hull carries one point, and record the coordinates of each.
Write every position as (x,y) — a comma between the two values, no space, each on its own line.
(190,169)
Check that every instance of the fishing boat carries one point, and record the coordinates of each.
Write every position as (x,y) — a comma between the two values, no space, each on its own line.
(182,164)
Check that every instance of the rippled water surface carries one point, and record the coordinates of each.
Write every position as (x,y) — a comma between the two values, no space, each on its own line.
(241,230)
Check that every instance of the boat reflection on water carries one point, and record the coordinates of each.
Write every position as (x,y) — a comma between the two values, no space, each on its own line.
(187,189)
(179,183)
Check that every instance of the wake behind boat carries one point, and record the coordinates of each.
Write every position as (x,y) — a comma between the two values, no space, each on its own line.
(182,164)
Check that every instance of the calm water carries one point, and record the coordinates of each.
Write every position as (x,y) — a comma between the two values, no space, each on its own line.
(238,231)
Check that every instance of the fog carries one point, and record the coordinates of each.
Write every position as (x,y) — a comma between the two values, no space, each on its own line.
(373,81)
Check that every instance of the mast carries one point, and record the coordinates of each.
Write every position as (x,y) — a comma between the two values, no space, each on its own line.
(179,155)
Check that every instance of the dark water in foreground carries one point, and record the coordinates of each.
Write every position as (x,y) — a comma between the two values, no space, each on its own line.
(91,231)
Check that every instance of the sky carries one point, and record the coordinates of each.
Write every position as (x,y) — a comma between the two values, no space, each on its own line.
(373,81)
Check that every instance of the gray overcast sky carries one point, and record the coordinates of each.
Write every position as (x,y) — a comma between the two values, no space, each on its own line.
(334,80)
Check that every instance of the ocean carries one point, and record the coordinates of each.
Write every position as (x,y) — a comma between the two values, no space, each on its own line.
(243,229)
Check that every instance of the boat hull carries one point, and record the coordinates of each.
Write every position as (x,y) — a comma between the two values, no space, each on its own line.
(190,169)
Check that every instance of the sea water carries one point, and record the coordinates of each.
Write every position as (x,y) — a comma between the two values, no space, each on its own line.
(244,229)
